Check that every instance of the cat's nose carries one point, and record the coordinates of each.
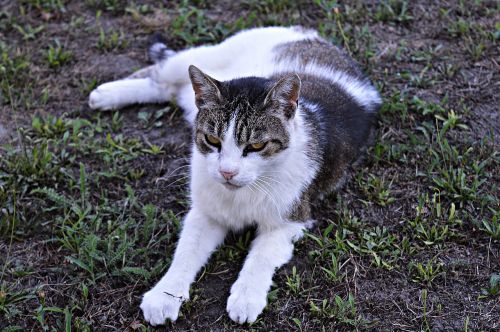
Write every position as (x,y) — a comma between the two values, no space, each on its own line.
(228,175)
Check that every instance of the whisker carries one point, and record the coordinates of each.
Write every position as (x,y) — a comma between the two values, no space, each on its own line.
(170,174)
(270,187)
(269,196)
(266,193)
(178,180)
(270,178)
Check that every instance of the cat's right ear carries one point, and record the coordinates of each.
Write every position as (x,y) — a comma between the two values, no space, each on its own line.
(206,89)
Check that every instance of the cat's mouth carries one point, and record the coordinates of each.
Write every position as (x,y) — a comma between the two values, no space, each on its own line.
(231,186)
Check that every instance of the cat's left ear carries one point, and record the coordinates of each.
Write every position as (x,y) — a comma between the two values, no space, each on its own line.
(284,95)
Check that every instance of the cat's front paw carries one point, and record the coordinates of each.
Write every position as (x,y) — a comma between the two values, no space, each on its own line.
(158,306)
(246,302)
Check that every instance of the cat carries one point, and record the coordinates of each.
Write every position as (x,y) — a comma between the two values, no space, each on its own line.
(278,116)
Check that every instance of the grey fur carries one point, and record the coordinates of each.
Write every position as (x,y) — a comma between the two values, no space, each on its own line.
(159,52)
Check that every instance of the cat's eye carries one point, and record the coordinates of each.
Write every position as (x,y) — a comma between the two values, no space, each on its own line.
(256,147)
(212,140)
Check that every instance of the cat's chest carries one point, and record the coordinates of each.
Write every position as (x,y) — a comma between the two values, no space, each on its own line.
(237,210)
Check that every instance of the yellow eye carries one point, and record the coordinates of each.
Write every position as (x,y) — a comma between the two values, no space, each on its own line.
(212,140)
(257,146)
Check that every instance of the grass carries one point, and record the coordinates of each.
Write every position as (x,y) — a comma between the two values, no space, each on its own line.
(91,203)
(56,56)
(98,238)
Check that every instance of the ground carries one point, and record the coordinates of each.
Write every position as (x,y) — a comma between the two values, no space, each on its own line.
(91,203)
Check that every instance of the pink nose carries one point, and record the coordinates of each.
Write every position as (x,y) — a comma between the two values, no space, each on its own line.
(228,175)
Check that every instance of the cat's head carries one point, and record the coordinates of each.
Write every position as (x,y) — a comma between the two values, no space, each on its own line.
(244,126)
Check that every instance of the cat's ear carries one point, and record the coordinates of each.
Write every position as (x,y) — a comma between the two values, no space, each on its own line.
(206,88)
(284,95)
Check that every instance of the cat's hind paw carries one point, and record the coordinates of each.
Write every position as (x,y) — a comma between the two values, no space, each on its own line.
(103,98)
(159,306)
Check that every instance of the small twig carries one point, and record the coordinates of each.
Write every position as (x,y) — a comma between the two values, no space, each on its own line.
(180,298)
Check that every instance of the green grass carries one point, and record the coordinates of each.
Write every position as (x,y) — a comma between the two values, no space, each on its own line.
(100,238)
(14,71)
(111,40)
(56,55)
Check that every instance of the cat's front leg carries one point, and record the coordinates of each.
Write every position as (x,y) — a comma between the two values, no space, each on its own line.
(199,238)
(270,250)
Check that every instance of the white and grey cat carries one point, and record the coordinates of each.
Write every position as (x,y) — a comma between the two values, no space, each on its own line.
(278,115)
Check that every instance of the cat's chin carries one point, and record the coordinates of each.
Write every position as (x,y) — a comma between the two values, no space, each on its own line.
(231,186)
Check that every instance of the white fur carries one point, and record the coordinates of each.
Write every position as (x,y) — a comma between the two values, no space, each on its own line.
(269,251)
(270,187)
(361,90)
(199,237)
(121,93)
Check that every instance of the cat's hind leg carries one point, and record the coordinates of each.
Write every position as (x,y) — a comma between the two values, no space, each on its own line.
(164,80)
(143,86)
(117,94)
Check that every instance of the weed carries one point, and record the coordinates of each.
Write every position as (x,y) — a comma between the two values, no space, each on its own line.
(9,298)
(475,49)
(111,40)
(272,12)
(152,120)
(56,56)
(192,27)
(28,32)
(343,312)
(448,70)
(425,313)
(328,29)
(425,273)
(431,226)
(493,287)
(47,5)
(293,281)
(114,6)
(333,271)
(14,70)
(491,227)
(376,190)
(459,28)
(393,11)
(420,80)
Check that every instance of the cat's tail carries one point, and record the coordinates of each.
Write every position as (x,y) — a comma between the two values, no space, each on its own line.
(158,51)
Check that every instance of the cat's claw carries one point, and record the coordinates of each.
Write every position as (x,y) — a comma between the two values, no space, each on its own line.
(245,303)
(158,306)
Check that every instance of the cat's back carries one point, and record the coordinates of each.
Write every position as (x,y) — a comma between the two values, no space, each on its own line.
(337,99)
(325,68)
(313,52)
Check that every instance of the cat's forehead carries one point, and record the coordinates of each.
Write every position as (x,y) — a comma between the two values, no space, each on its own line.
(250,122)
(218,119)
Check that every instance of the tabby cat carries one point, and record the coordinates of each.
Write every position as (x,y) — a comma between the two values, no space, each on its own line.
(278,115)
